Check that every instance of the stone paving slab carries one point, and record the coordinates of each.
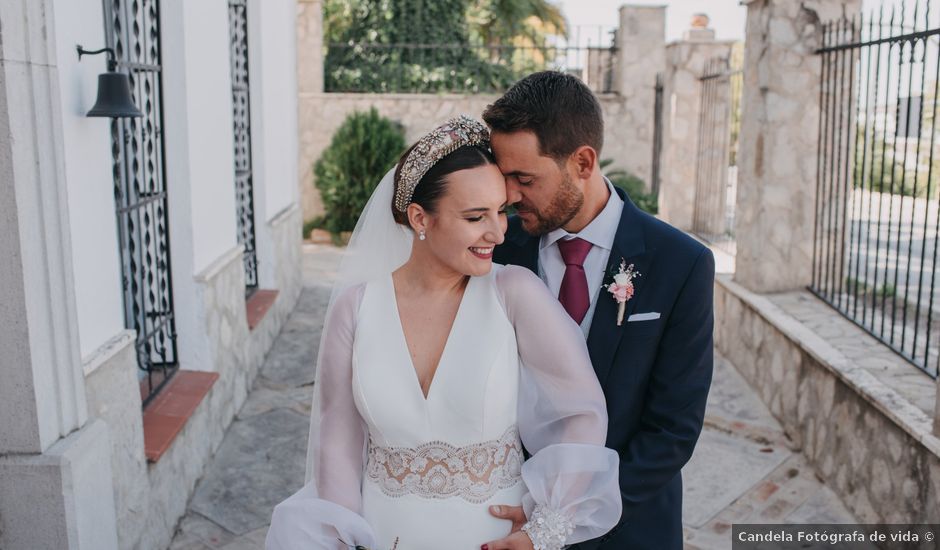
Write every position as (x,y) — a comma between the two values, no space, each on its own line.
(743,469)
(259,458)
(722,468)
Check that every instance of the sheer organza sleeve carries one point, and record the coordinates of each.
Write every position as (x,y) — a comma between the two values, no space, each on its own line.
(572,478)
(325,513)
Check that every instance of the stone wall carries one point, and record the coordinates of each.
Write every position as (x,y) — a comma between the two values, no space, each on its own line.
(321,114)
(866,441)
(309,46)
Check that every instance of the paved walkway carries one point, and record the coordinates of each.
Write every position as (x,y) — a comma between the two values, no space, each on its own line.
(743,470)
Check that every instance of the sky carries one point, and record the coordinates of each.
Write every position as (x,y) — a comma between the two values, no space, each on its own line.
(727,16)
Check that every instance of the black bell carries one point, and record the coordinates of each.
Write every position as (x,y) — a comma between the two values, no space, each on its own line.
(114,97)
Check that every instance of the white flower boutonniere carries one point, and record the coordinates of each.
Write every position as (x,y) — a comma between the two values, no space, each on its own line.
(622,287)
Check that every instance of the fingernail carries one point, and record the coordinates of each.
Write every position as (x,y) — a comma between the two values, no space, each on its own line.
(495,510)
(485,547)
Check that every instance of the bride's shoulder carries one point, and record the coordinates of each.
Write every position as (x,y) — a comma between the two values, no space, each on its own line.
(348,298)
(514,280)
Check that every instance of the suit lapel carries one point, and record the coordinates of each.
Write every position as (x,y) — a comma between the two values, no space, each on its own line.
(629,246)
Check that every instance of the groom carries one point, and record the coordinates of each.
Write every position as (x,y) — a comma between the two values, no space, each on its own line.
(574,229)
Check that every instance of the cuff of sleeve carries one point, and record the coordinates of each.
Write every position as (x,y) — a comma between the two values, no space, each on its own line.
(548,529)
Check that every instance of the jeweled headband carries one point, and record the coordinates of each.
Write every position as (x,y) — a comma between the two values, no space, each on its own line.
(440,142)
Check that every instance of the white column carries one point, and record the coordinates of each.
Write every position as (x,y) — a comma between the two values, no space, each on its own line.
(641,55)
(778,141)
(200,169)
(274,73)
(55,478)
(42,393)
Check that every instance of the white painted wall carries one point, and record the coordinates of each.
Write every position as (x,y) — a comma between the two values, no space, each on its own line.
(209,123)
(273,81)
(199,158)
(87,143)
(278,89)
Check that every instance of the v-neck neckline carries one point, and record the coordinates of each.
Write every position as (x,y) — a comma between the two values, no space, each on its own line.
(447,341)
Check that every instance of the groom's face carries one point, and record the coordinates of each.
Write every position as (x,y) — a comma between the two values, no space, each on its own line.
(540,188)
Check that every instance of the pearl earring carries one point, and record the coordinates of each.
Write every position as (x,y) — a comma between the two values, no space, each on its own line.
(421,235)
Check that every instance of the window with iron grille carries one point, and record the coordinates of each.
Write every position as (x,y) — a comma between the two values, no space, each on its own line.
(140,194)
(238,41)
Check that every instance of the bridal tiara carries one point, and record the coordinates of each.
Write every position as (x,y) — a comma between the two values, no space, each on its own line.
(437,144)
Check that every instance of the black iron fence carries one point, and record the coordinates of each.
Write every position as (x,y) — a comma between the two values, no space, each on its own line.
(716,159)
(474,67)
(877,219)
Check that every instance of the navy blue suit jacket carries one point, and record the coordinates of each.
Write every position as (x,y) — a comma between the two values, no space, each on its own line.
(655,374)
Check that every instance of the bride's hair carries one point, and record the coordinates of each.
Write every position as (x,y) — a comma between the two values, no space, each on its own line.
(432,186)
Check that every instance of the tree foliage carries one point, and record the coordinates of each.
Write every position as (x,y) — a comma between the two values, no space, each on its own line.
(362,150)
(423,46)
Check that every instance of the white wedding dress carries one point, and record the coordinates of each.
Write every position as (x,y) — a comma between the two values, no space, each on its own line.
(386,464)
(433,465)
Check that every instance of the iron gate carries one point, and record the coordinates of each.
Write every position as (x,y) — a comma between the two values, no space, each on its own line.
(716,157)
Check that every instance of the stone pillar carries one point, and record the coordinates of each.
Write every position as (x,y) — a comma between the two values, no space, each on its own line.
(310,46)
(641,55)
(55,476)
(778,141)
(686,61)
(310,89)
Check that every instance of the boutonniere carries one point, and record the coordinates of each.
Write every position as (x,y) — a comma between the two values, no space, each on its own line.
(622,287)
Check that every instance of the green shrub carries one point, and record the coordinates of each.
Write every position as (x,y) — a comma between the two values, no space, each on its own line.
(633,186)
(363,149)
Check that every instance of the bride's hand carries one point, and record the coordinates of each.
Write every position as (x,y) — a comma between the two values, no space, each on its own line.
(516,541)
(515,514)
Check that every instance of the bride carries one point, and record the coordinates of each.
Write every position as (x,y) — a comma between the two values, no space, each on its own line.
(438,370)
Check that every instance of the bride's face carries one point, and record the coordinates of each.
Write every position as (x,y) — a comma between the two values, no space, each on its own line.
(470,220)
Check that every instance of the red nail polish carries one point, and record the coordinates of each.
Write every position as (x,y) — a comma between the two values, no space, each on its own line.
(485,547)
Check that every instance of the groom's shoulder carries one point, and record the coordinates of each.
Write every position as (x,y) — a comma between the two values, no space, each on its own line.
(664,238)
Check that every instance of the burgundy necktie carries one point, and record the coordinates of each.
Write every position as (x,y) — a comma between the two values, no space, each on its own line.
(573,294)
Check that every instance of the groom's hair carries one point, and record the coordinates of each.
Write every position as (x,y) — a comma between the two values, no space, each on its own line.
(558,108)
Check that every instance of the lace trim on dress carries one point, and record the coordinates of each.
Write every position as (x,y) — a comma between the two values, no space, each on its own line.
(440,470)
(548,529)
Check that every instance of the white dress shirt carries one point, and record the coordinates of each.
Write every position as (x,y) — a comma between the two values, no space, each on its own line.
(600,233)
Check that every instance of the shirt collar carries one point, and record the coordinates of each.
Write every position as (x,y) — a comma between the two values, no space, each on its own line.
(602,229)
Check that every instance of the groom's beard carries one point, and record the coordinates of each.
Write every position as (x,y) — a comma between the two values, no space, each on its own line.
(564,206)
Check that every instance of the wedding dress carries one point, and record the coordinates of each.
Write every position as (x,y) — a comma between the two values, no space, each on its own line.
(387,465)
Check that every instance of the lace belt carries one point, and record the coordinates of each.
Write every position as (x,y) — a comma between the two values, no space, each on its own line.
(440,470)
